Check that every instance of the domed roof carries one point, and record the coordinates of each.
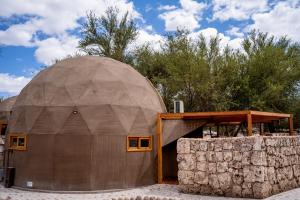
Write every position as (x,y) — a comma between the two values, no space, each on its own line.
(7,104)
(101,89)
(78,114)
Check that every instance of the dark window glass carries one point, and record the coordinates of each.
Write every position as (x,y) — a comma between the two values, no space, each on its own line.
(145,142)
(14,141)
(133,142)
(3,129)
(21,142)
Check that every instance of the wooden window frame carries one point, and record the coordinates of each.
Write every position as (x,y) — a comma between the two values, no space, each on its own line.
(139,148)
(17,147)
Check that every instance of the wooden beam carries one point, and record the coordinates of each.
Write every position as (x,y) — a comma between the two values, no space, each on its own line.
(291,126)
(249,125)
(224,114)
(270,114)
(202,114)
(159,149)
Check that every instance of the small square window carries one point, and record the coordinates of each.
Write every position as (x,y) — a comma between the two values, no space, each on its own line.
(21,142)
(139,143)
(133,142)
(17,141)
(14,141)
(145,142)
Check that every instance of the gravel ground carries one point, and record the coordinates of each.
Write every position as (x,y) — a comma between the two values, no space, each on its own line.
(158,190)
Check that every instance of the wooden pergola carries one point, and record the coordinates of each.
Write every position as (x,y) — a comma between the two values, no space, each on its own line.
(233,117)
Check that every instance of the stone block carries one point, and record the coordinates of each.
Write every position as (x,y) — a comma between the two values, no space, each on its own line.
(186,161)
(254,174)
(212,168)
(222,166)
(246,159)
(213,181)
(194,145)
(211,156)
(296,170)
(227,145)
(237,156)
(201,178)
(271,174)
(262,190)
(218,146)
(219,156)
(224,180)
(183,145)
(271,161)
(202,145)
(246,147)
(271,142)
(237,177)
(247,193)
(202,166)
(185,177)
(236,191)
(259,143)
(227,156)
(259,158)
(201,155)
(211,146)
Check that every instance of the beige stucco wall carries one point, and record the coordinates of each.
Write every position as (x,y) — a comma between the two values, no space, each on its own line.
(255,167)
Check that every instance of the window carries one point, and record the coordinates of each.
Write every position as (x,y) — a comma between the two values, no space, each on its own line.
(139,143)
(3,128)
(17,141)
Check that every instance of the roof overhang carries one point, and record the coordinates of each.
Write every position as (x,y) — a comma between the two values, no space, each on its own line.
(228,116)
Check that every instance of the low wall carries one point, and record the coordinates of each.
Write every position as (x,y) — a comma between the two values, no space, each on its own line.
(253,167)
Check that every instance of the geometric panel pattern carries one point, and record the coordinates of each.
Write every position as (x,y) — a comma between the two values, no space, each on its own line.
(86,106)
(6,107)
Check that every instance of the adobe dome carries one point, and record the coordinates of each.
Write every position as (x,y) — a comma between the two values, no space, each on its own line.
(7,104)
(6,107)
(77,115)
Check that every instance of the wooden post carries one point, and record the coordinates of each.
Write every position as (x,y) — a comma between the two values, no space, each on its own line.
(291,127)
(159,149)
(249,124)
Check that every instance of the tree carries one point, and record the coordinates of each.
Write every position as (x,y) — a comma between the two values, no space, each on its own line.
(108,36)
(272,71)
(263,75)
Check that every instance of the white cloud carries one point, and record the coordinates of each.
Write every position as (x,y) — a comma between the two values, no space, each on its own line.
(55,48)
(54,19)
(148,7)
(188,16)
(18,35)
(166,7)
(225,40)
(236,9)
(12,84)
(153,39)
(282,20)
(235,31)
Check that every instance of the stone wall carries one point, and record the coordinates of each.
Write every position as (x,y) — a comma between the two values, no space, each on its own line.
(254,167)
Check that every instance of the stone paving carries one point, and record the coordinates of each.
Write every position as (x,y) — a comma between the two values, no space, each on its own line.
(161,191)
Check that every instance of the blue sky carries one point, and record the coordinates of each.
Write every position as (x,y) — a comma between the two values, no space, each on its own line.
(33,33)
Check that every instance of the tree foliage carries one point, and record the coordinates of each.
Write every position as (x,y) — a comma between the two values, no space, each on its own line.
(263,75)
(108,35)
